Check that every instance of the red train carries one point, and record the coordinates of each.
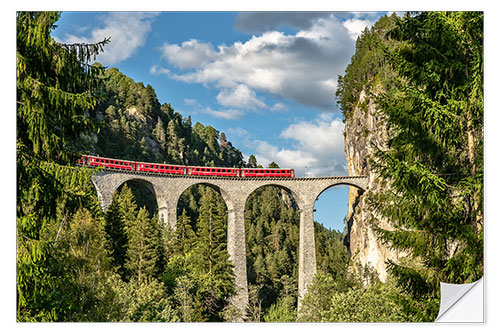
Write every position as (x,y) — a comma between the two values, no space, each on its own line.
(94,161)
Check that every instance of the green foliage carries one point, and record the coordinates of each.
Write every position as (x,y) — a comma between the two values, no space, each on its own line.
(434,157)
(128,110)
(327,300)
(198,272)
(74,264)
(61,249)
(55,86)
(428,68)
(115,233)
(145,301)
(142,253)
(331,253)
(214,269)
(272,230)
(184,237)
(283,310)
(368,65)
(184,296)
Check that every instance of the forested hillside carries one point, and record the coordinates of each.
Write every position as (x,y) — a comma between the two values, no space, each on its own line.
(134,125)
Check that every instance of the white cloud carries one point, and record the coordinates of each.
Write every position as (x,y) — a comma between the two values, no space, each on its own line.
(128,32)
(301,67)
(158,70)
(318,145)
(322,136)
(190,101)
(189,54)
(279,107)
(230,114)
(238,131)
(240,97)
(268,153)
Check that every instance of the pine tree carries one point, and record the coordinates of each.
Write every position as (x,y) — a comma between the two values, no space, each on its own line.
(434,161)
(127,206)
(55,86)
(252,162)
(215,274)
(159,133)
(184,237)
(142,252)
(115,231)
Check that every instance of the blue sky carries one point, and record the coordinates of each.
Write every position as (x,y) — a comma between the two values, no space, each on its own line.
(267,80)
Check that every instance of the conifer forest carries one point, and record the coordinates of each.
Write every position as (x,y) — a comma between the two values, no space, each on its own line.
(422,72)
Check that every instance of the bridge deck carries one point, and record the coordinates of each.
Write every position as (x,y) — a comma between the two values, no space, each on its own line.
(142,173)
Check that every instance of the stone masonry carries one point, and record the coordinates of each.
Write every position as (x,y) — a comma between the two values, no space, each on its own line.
(235,191)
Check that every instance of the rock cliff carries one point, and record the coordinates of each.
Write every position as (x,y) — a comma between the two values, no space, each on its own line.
(368,75)
(365,130)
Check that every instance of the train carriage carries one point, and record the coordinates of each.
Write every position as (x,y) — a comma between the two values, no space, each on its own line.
(213,171)
(288,173)
(161,168)
(109,163)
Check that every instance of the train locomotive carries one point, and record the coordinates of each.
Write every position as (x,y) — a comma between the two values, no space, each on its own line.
(117,164)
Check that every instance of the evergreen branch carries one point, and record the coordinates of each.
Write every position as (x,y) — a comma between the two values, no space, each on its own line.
(85,51)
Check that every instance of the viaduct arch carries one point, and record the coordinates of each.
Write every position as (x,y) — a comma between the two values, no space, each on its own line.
(234,191)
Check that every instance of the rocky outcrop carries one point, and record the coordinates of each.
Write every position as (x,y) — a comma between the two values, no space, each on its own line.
(364,131)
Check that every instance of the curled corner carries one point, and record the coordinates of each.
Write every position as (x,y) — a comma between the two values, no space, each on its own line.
(461,303)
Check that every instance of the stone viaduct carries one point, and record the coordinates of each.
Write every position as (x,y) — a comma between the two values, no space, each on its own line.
(168,188)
